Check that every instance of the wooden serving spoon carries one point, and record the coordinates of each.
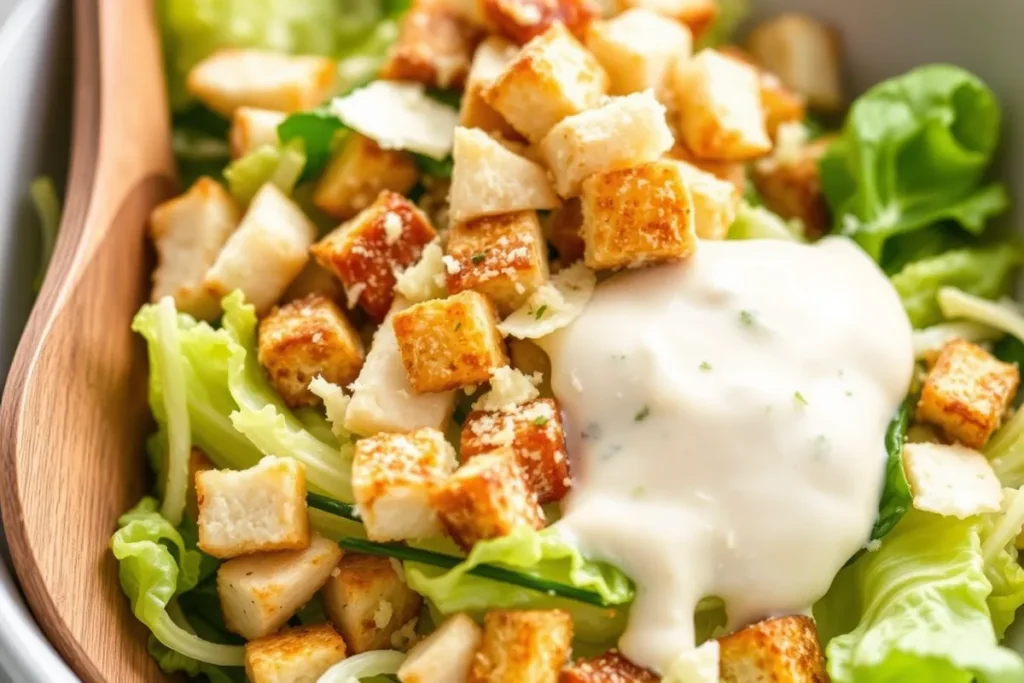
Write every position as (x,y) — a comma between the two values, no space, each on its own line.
(74,412)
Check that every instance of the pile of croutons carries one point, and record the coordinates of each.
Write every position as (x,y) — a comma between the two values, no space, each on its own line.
(607,139)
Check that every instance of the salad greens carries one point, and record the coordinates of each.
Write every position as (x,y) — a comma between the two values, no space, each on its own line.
(896,495)
(278,164)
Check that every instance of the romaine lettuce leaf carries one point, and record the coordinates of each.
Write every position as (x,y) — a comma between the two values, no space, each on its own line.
(155,566)
(896,498)
(1002,566)
(913,153)
(916,610)
(278,164)
(755,222)
(982,271)
(320,131)
(544,554)
(362,666)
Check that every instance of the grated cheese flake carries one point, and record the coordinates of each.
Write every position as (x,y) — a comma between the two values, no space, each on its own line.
(953,481)
(508,388)
(424,280)
(553,306)
(335,402)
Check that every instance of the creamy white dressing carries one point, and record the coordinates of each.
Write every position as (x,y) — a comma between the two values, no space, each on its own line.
(726,417)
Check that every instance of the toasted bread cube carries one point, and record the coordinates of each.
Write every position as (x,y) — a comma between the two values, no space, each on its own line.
(625,132)
(255,510)
(490,59)
(552,77)
(951,480)
(314,279)
(188,232)
(529,646)
(719,104)
(306,338)
(449,343)
(366,251)
(611,667)
(732,172)
(967,392)
(696,15)
(779,649)
(358,172)
(296,655)
(524,20)
(368,602)
(434,47)
(233,78)
(535,433)
(382,398)
(563,230)
(715,202)
(392,476)
(446,655)
(259,593)
(489,179)
(781,105)
(252,128)
(805,54)
(637,48)
(503,257)
(637,216)
(266,253)
(790,183)
(487,497)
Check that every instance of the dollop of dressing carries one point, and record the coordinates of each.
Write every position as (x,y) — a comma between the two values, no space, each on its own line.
(726,417)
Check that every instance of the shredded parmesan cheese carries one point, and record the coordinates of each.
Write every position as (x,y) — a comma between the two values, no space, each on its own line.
(382,616)
(425,280)
(953,481)
(553,306)
(508,388)
(335,402)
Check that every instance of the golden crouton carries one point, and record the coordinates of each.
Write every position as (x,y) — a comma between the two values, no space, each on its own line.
(790,184)
(188,232)
(611,667)
(732,172)
(489,179)
(368,602)
(306,338)
(252,128)
(523,647)
(392,477)
(267,251)
(805,54)
(951,480)
(314,279)
(503,257)
(967,392)
(779,649)
(446,655)
(490,59)
(449,343)
(434,47)
(295,655)
(532,361)
(625,132)
(715,202)
(637,216)
(524,20)
(636,49)
(358,172)
(259,593)
(552,77)
(197,462)
(382,398)
(535,434)
(255,510)
(697,15)
(366,251)
(781,105)
(233,78)
(487,497)
(719,104)
(563,231)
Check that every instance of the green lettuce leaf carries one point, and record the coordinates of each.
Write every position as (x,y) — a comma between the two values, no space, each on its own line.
(362,666)
(155,566)
(544,554)
(278,164)
(982,271)
(916,610)
(913,152)
(1002,566)
(320,131)
(896,498)
(754,222)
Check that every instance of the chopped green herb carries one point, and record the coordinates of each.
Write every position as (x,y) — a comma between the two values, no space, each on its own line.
(540,312)
(639,492)
(799,398)
(619,356)
(477,259)
(747,318)
(849,393)
(705,366)
(642,414)
(458,327)
(540,421)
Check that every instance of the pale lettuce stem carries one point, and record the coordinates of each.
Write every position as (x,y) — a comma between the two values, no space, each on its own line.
(179,440)
(183,642)
(374,663)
